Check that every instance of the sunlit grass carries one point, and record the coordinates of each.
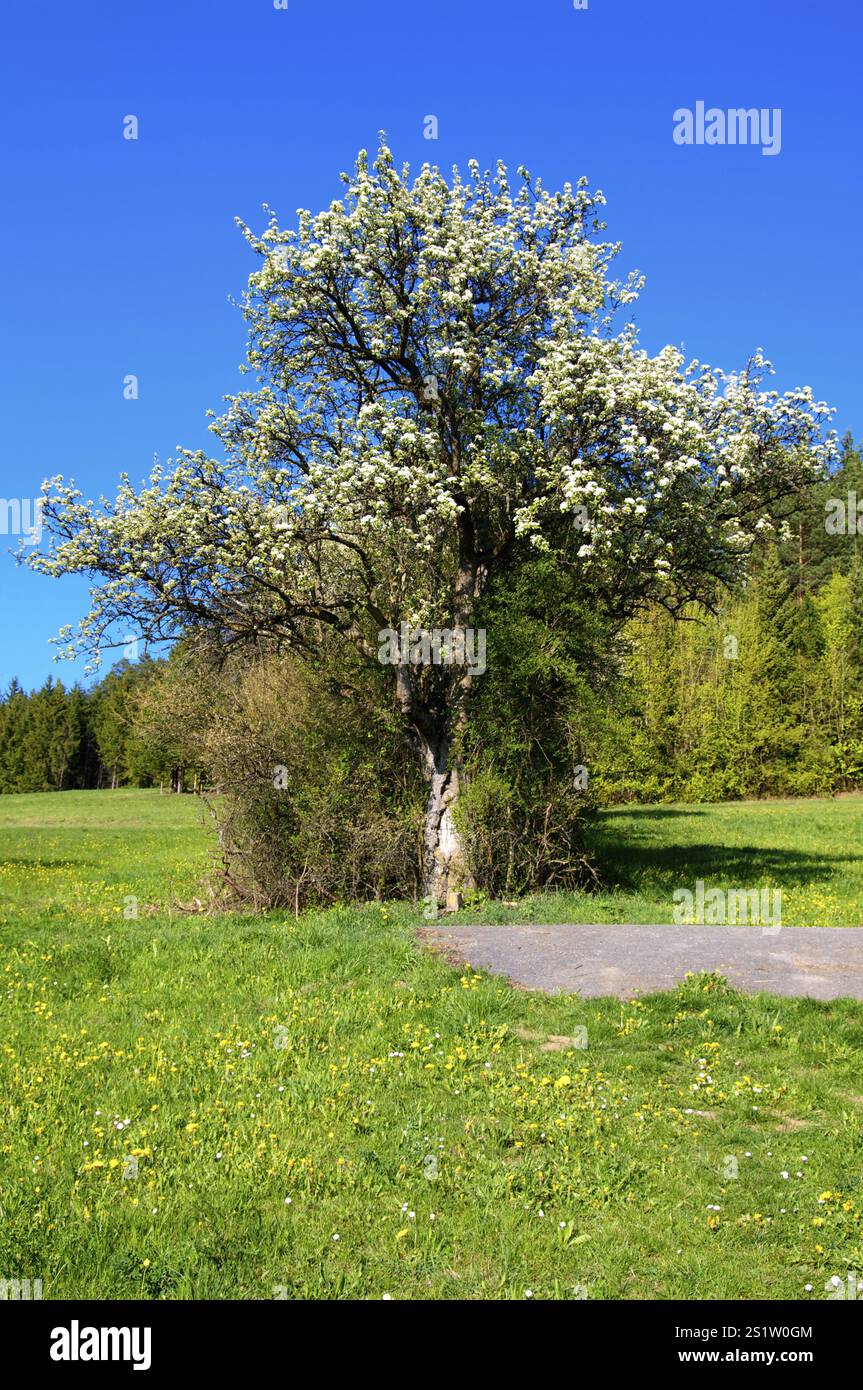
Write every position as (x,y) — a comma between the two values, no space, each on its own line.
(810,849)
(258,1108)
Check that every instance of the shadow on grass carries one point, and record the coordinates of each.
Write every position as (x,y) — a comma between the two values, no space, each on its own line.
(25,861)
(635,866)
(647,812)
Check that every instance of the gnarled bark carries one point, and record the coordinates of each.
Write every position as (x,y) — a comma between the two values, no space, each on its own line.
(445,870)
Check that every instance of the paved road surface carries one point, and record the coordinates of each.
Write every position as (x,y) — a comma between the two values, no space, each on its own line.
(823,962)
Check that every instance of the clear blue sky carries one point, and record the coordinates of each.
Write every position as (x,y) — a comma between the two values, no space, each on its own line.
(121,257)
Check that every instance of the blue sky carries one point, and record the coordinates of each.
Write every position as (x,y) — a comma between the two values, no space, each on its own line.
(122,256)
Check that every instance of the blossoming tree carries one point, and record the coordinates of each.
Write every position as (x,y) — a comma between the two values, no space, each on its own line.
(442,382)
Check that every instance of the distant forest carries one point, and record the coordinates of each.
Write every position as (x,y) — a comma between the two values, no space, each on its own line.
(61,739)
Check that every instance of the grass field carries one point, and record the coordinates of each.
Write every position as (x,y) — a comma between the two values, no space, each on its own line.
(258,1108)
(811,849)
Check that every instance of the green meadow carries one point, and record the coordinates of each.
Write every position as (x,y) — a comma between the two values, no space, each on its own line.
(258,1108)
(812,849)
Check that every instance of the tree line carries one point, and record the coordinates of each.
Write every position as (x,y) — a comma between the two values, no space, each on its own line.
(67,738)
(764,695)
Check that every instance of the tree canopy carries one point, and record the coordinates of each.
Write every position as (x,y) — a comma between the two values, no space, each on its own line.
(445,384)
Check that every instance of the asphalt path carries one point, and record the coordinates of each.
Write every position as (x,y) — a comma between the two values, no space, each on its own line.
(819,962)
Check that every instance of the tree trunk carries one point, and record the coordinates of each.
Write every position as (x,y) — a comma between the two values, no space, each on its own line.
(444,868)
(445,871)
